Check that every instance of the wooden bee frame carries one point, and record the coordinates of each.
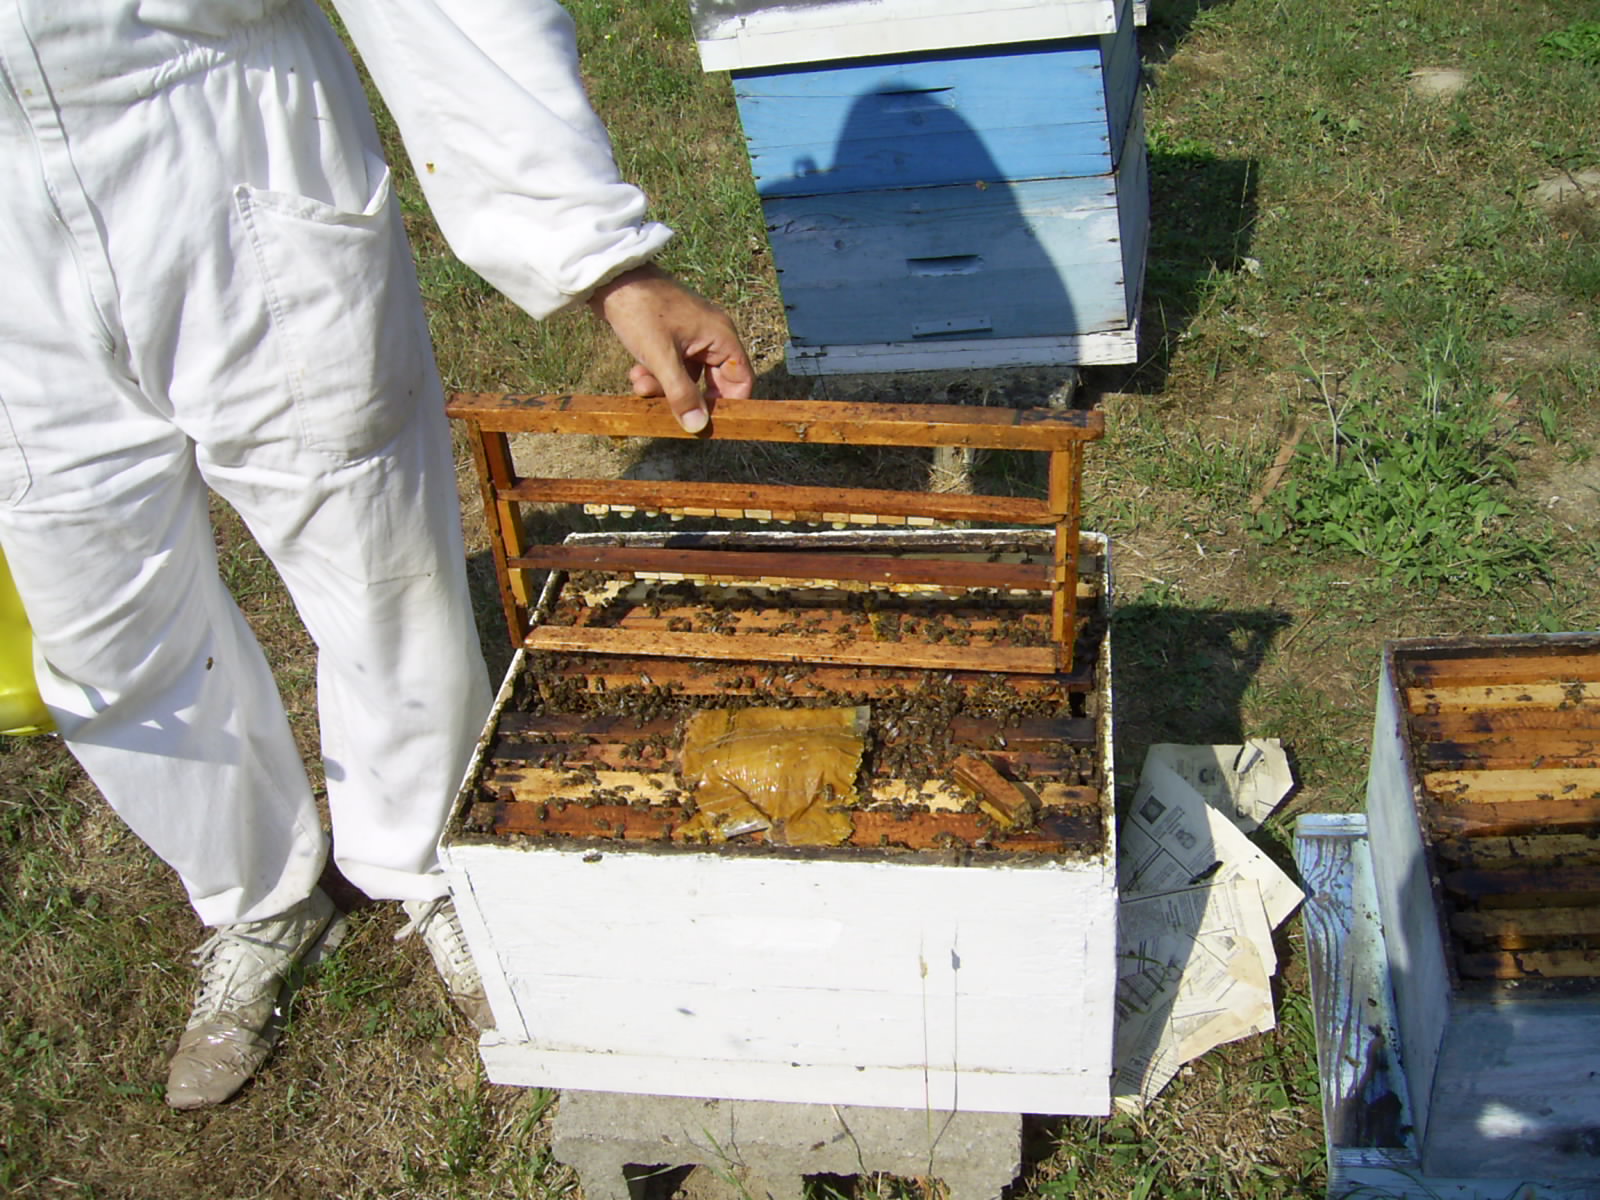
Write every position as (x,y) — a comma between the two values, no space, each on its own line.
(491,418)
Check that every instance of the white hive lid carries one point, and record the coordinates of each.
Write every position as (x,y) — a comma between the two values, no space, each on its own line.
(745,34)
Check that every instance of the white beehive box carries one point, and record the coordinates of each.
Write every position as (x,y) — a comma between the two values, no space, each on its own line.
(742,34)
(1484,808)
(950,980)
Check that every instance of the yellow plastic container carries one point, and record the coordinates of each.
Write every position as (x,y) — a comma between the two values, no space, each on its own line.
(21,710)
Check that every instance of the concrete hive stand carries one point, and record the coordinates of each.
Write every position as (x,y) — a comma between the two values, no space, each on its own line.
(602,1134)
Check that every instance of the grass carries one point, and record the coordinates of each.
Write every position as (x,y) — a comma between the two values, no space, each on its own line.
(1329,248)
(1414,478)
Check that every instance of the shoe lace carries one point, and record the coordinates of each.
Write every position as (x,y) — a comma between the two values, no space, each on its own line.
(219,959)
(441,929)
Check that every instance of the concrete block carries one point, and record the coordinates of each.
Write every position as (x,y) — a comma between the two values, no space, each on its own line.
(770,1147)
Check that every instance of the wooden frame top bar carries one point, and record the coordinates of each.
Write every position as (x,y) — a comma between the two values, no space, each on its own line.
(823,421)
(861,568)
(662,496)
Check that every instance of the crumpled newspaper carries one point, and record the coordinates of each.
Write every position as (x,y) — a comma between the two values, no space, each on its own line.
(1199,903)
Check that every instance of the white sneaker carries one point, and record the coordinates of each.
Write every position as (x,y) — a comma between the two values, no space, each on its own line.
(440,927)
(245,970)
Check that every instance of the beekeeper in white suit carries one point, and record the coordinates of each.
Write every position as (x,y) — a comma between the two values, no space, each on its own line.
(206,284)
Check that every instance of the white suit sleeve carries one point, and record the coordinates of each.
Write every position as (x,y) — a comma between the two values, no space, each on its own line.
(511,157)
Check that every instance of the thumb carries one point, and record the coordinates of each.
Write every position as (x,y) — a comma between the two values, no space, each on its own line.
(681,391)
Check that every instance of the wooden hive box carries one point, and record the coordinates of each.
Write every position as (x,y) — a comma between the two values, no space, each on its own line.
(946,950)
(1484,808)
(946,185)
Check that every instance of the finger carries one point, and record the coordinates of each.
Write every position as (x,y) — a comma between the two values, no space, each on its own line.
(730,378)
(644,382)
(674,381)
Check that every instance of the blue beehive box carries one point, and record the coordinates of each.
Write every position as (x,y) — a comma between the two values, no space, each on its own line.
(933,202)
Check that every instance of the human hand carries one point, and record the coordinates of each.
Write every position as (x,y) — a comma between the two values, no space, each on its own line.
(684,347)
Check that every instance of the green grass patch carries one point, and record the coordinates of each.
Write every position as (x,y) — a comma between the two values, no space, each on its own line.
(1578,42)
(1414,478)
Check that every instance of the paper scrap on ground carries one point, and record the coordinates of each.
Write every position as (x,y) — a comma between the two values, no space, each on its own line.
(1199,903)
(1246,782)
(1171,838)
(1191,975)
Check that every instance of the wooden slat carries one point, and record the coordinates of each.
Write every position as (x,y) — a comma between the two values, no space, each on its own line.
(1511,787)
(817,421)
(1568,849)
(862,568)
(928,543)
(543,785)
(1527,883)
(1056,832)
(582,725)
(1065,499)
(1003,801)
(507,537)
(1533,749)
(816,608)
(610,756)
(719,497)
(963,625)
(747,678)
(1024,734)
(1463,760)
(1510,696)
(521,754)
(1510,820)
(1504,722)
(1030,733)
(1530,964)
(1527,928)
(609,780)
(796,649)
(1502,670)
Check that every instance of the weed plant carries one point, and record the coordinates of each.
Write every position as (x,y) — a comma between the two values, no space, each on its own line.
(1417,479)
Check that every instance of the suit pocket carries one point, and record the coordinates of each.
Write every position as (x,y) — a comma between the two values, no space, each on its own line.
(344,304)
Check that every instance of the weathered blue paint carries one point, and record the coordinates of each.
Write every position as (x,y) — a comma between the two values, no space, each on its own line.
(959,197)
(1034,258)
(1035,111)
(1133,206)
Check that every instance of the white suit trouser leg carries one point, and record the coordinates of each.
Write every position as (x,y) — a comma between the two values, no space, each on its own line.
(209,286)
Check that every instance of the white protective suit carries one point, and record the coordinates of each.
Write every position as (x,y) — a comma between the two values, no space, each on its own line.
(205,282)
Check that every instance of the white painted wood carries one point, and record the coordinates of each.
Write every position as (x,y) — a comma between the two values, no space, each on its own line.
(1357,1046)
(1084,350)
(880,983)
(1133,214)
(475,925)
(1364,1106)
(1515,1091)
(744,34)
(1393,1175)
(1414,939)
(871,967)
(1065,1093)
